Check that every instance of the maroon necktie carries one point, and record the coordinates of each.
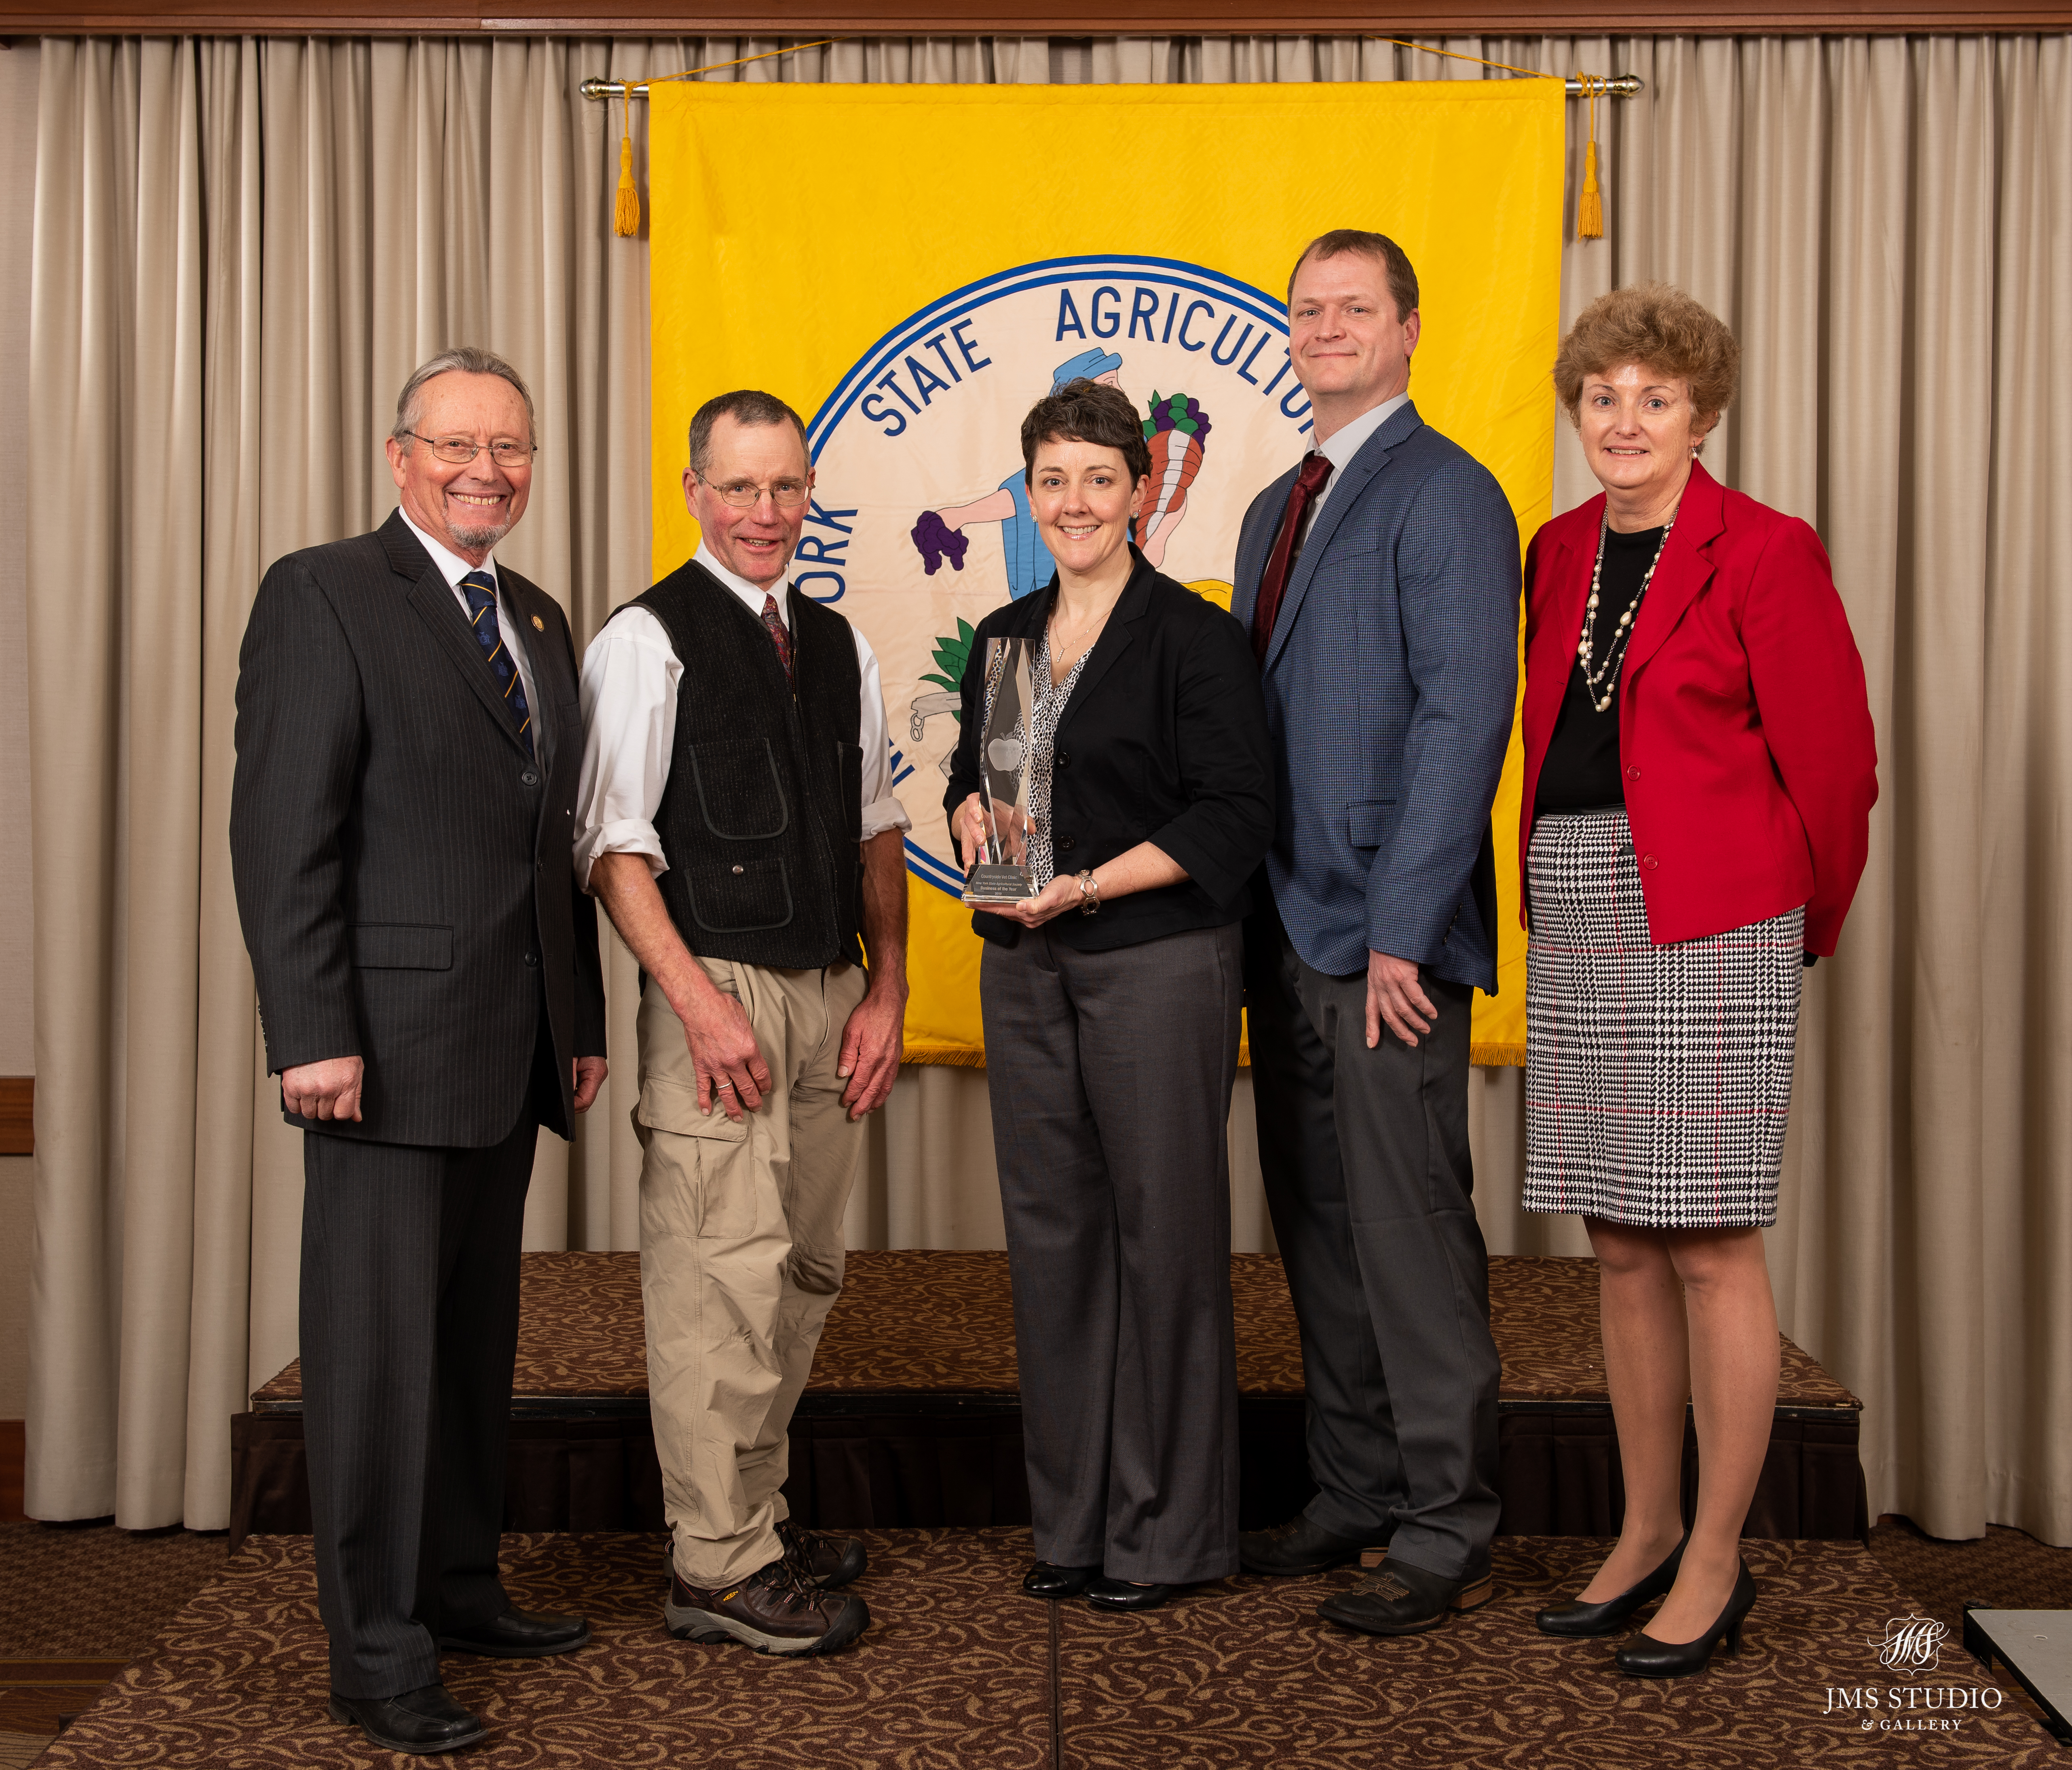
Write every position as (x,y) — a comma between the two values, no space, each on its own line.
(1273,581)
(778,637)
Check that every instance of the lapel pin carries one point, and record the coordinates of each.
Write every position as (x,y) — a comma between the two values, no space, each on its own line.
(538,625)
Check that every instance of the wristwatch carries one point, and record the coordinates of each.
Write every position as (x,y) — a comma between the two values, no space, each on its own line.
(1089,893)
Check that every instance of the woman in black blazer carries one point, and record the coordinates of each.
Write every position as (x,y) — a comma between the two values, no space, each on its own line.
(1111,1004)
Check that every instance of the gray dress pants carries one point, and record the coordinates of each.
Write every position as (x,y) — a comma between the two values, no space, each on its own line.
(1110,1075)
(1364,1154)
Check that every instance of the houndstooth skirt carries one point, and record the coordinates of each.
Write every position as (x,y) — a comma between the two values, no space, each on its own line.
(1658,1079)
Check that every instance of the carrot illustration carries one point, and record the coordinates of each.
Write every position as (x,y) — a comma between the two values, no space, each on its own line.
(1176,430)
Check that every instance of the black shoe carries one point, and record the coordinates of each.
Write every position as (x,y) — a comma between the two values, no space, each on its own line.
(1297,1547)
(418,1720)
(515,1635)
(1578,1619)
(1648,1657)
(1398,1599)
(1050,1580)
(1105,1594)
(827,1562)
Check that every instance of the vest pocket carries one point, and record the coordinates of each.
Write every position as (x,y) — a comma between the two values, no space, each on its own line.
(740,791)
(741,897)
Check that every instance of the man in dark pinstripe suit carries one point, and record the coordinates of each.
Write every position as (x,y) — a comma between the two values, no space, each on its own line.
(408,743)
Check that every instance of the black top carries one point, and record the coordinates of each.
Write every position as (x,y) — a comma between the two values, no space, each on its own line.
(1164,741)
(1580,771)
(762,813)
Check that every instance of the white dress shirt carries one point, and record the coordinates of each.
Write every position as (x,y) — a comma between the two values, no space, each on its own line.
(1345,443)
(453,569)
(629,678)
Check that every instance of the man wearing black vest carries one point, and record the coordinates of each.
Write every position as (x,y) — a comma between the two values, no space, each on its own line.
(736,818)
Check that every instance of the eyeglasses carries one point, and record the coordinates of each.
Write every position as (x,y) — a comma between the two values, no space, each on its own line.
(745,494)
(458,450)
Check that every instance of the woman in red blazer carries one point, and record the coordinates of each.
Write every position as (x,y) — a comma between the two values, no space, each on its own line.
(1699,769)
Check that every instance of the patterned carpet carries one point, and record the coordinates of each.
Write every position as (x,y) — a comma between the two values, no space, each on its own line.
(580,1332)
(2004,1570)
(92,1591)
(959,1672)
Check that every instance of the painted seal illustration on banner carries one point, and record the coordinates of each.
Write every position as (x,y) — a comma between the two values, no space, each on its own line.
(920,523)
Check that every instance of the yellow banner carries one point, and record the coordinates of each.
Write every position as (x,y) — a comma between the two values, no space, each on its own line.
(912,267)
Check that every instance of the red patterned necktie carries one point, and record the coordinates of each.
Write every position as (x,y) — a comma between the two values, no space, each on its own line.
(1273,581)
(779,637)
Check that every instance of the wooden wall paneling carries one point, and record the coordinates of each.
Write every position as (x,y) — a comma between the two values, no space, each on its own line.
(17,1115)
(13,1469)
(1033,17)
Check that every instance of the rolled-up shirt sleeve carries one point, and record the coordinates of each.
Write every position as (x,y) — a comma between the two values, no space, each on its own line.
(882,811)
(630,676)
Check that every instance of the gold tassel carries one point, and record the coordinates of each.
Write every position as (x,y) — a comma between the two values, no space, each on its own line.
(625,207)
(1590,203)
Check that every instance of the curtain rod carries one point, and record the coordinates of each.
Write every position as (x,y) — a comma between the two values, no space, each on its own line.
(1614,86)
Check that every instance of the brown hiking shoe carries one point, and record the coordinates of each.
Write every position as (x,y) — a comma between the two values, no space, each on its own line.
(825,1561)
(772,1610)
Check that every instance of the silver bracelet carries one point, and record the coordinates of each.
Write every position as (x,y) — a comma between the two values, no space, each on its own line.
(1089,893)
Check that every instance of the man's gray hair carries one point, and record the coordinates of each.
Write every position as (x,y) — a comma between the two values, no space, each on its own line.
(466,360)
(746,406)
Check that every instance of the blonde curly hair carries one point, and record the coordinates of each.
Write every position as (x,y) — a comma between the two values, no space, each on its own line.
(1658,327)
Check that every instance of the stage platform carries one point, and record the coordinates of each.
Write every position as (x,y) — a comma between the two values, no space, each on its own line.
(912,1418)
(958,1671)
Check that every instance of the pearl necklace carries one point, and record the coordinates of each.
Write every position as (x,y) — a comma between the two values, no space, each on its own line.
(1622,633)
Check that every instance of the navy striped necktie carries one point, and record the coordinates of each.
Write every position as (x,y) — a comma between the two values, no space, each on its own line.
(479,588)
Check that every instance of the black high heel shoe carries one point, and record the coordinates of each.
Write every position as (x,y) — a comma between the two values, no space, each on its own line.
(1648,1657)
(1577,1620)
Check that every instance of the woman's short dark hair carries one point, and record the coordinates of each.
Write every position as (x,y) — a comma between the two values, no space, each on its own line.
(1085,411)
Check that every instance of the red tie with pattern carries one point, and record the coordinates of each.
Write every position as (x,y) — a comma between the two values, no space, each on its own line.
(1273,581)
(779,636)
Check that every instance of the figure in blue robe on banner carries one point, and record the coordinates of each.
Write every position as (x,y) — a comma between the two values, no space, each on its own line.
(939,534)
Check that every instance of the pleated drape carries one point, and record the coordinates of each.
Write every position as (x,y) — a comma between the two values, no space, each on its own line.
(242,246)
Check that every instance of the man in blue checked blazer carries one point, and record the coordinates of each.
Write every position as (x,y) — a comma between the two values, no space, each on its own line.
(1379,581)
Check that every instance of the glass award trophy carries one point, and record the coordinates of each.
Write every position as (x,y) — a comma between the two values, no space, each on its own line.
(1000,873)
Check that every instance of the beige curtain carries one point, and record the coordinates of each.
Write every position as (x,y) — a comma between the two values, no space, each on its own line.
(241,248)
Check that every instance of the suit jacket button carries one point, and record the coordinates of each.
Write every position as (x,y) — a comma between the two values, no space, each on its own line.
(1633,773)
(529,778)
(741,869)
(531,959)
(1061,760)
(1064,845)
(1650,862)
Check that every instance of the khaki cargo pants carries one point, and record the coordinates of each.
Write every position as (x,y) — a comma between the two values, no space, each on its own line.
(741,1256)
